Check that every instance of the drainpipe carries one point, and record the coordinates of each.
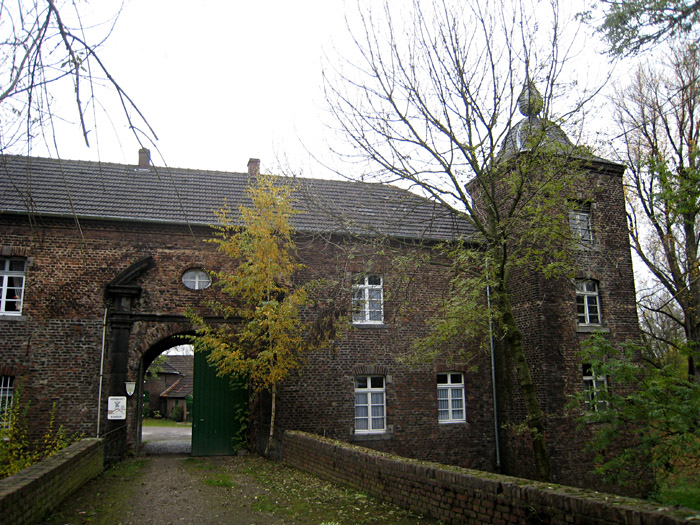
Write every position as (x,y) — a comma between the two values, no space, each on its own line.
(493,374)
(102,360)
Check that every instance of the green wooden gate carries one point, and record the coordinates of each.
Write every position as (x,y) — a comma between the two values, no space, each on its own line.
(217,409)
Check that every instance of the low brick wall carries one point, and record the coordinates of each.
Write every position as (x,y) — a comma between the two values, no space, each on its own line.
(30,494)
(457,495)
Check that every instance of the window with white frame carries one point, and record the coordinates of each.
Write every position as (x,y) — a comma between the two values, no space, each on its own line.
(12,270)
(7,389)
(587,302)
(370,405)
(450,398)
(580,222)
(593,386)
(196,279)
(368,300)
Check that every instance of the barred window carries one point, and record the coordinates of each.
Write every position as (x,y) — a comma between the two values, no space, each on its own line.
(580,222)
(7,389)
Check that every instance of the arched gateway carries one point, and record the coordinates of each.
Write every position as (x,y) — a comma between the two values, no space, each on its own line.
(137,338)
(100,262)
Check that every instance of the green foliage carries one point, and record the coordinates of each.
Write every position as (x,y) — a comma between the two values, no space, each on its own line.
(150,422)
(653,406)
(657,115)
(269,331)
(156,366)
(17,451)
(631,25)
(462,319)
(267,342)
(177,413)
(683,490)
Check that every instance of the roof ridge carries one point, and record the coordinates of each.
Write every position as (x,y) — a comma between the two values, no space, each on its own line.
(119,192)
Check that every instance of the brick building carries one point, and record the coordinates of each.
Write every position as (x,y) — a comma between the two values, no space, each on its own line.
(168,385)
(102,260)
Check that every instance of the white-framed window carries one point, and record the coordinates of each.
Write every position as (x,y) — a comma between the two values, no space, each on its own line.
(370,405)
(7,389)
(368,300)
(580,222)
(593,385)
(451,398)
(196,279)
(12,272)
(587,302)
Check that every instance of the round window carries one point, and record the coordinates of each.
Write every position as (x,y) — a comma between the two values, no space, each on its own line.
(196,279)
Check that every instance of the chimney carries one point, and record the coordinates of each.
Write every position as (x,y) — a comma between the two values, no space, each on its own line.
(254,167)
(144,159)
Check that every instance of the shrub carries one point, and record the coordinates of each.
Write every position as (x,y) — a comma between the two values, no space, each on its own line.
(17,452)
(177,413)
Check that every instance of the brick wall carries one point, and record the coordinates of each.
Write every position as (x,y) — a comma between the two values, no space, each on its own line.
(320,397)
(545,312)
(30,494)
(457,495)
(55,347)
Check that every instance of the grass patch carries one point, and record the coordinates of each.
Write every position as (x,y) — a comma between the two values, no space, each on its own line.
(127,469)
(199,464)
(287,492)
(152,422)
(219,480)
(683,491)
(263,504)
(107,497)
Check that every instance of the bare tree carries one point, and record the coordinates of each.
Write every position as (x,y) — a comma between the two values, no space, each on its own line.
(48,58)
(431,104)
(659,119)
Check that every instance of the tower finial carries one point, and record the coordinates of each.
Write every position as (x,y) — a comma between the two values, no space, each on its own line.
(530,101)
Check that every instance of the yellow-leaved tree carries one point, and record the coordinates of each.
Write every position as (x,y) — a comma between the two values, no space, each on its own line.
(268,334)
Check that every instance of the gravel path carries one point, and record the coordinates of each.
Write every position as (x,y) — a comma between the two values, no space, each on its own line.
(248,490)
(167,489)
(166,440)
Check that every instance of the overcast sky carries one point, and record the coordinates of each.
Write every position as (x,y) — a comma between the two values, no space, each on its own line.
(219,82)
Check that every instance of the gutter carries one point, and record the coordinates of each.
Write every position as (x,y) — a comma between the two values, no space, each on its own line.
(102,360)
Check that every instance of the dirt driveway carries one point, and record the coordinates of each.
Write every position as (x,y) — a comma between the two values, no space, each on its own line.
(178,489)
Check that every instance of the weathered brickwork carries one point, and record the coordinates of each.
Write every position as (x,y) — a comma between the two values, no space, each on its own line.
(129,273)
(546,313)
(32,493)
(56,347)
(457,495)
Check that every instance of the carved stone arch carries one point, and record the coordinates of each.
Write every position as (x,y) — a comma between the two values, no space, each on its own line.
(129,275)
(123,290)
(159,337)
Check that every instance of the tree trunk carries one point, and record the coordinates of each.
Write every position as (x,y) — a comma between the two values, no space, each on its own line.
(535,421)
(272,420)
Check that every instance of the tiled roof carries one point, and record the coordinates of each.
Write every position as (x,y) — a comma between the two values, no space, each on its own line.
(180,388)
(167,368)
(91,190)
(183,364)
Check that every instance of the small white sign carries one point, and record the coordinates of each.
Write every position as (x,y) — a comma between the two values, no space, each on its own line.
(116,407)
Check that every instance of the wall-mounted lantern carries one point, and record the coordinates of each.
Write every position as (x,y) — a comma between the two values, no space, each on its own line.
(130,388)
